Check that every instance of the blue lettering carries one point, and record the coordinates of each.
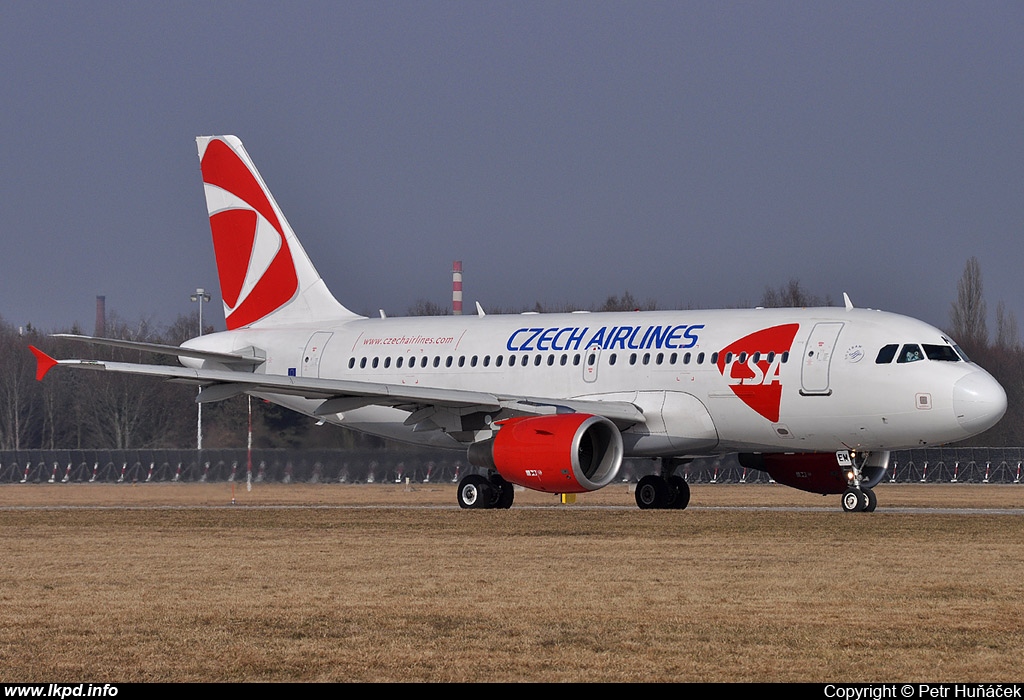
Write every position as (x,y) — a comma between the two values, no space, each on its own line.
(559,334)
(605,337)
(658,334)
(620,337)
(672,340)
(575,338)
(598,338)
(632,336)
(509,345)
(691,335)
(545,338)
(534,332)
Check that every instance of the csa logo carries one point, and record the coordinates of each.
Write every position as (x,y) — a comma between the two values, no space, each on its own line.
(253,260)
(752,366)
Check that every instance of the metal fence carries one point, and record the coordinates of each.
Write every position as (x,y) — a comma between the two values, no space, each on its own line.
(942,465)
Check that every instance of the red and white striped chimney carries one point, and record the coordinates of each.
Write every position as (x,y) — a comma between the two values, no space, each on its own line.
(457,288)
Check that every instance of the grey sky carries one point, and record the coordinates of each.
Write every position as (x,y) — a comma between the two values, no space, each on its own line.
(689,152)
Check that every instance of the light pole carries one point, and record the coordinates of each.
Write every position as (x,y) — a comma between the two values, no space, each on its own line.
(200,296)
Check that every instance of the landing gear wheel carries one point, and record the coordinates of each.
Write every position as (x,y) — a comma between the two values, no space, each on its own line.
(475,491)
(677,485)
(871,500)
(652,492)
(854,500)
(504,492)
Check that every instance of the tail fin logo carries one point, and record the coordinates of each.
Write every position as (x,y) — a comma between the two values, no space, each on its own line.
(752,366)
(254,263)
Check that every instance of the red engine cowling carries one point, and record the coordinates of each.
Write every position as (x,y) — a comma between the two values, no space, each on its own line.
(817,472)
(566,453)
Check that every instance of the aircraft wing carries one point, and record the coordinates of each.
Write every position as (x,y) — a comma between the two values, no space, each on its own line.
(340,395)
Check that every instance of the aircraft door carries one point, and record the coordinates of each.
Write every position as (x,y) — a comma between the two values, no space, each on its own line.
(310,364)
(814,375)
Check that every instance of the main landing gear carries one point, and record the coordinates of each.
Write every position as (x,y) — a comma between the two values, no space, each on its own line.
(479,491)
(859,500)
(664,490)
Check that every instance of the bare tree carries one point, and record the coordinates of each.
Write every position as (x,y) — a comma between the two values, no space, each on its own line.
(967,314)
(791,295)
(627,303)
(424,307)
(1007,335)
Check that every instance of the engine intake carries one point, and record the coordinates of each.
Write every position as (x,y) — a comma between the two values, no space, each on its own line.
(565,453)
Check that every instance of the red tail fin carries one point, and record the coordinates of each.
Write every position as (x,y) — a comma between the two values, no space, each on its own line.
(262,267)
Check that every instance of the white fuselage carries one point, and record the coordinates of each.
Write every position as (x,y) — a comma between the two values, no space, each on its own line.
(707,381)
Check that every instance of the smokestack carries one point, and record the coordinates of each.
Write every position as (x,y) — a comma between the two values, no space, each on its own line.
(101,317)
(457,288)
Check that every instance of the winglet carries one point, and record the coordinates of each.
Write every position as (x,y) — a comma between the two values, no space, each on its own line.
(44,363)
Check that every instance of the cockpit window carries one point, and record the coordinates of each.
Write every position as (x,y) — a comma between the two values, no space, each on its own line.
(941,352)
(910,353)
(886,354)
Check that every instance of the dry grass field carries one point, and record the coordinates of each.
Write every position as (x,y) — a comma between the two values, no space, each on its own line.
(385,582)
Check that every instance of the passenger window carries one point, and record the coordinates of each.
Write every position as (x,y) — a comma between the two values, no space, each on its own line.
(886,354)
(351,362)
(612,358)
(910,353)
(498,360)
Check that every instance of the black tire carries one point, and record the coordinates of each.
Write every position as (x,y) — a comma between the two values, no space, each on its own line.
(504,492)
(651,492)
(853,500)
(681,490)
(872,501)
(475,491)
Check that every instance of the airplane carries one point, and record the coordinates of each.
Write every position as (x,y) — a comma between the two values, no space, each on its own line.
(816,397)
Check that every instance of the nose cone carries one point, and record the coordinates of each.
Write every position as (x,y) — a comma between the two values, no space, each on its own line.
(978,402)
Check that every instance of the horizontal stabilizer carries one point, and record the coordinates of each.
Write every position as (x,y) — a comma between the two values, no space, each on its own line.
(251,359)
(44,363)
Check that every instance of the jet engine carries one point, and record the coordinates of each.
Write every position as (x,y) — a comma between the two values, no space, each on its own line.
(817,472)
(564,453)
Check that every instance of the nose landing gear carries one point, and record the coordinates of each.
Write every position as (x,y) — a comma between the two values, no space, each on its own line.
(857,500)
